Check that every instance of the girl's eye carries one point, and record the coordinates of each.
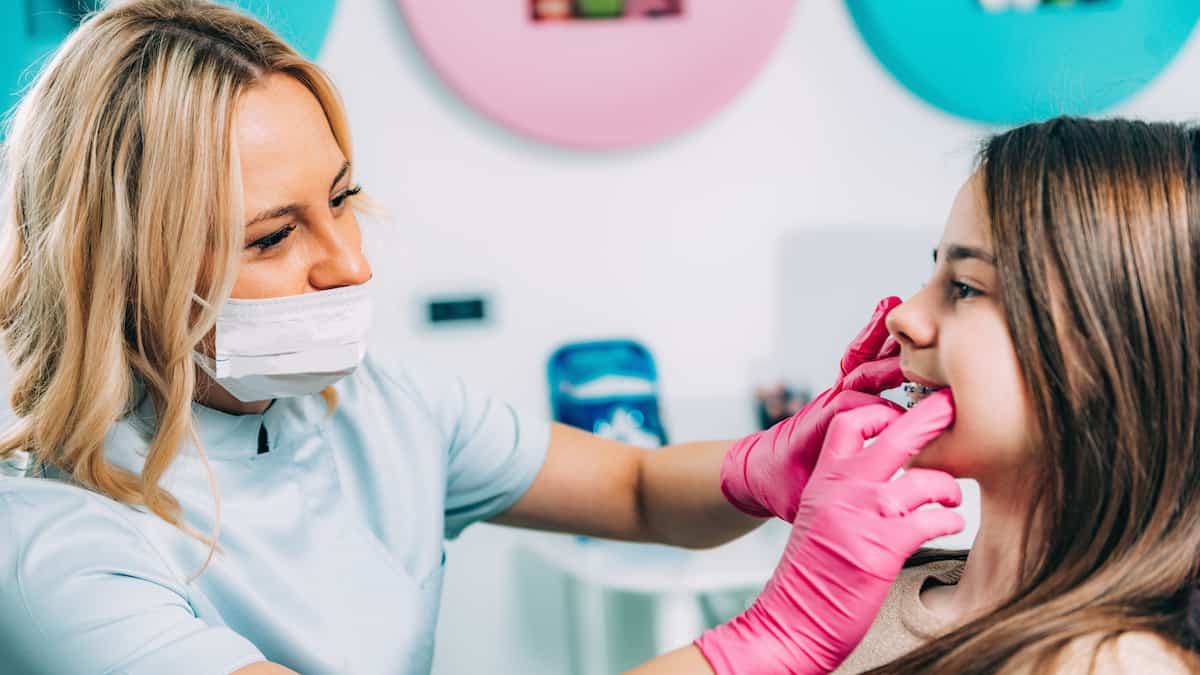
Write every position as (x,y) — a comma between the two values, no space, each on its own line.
(961,291)
(341,197)
(274,239)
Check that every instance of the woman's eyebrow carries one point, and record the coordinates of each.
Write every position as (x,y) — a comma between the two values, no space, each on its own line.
(281,211)
(955,252)
(341,172)
(277,212)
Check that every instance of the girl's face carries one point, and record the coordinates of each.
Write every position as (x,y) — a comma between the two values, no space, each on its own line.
(301,234)
(952,333)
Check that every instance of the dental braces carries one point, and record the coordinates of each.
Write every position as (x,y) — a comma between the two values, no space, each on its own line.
(916,392)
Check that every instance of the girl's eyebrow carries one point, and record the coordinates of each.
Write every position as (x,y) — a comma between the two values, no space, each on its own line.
(956,252)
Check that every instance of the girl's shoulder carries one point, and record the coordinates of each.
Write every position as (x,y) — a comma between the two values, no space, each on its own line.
(1132,653)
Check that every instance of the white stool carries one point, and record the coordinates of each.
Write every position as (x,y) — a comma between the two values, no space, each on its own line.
(678,580)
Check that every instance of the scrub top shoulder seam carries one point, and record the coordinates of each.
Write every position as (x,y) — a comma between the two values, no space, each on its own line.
(44,642)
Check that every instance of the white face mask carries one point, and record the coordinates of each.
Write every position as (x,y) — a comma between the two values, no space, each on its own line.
(290,346)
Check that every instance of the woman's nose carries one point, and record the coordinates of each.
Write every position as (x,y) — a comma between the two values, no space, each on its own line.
(342,263)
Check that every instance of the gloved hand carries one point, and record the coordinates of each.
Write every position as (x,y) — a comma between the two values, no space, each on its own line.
(853,531)
(764,474)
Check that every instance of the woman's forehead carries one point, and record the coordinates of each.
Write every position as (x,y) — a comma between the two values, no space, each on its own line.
(280,121)
(284,141)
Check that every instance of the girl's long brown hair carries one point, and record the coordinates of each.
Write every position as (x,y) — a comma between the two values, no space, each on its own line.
(1096,231)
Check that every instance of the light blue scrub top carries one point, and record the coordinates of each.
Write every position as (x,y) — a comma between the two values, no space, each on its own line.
(331,542)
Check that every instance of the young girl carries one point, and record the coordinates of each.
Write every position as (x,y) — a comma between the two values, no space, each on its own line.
(1064,313)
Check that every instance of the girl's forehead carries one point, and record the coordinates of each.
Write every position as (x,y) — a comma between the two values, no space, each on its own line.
(966,226)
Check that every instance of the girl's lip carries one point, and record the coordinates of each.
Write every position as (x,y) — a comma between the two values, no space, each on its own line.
(917,379)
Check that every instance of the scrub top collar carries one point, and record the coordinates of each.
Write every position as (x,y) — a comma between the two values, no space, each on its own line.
(240,437)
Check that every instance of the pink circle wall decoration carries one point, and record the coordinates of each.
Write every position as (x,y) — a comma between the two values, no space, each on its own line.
(630,73)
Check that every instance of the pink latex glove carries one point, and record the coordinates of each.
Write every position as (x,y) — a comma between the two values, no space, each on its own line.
(764,474)
(853,531)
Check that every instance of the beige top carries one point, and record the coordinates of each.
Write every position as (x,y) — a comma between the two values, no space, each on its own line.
(904,623)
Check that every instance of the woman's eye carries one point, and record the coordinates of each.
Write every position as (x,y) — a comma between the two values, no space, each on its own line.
(961,291)
(341,197)
(274,239)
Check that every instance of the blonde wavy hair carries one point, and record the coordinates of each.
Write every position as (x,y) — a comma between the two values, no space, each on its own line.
(125,229)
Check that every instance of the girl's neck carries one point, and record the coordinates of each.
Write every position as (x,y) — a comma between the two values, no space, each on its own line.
(993,565)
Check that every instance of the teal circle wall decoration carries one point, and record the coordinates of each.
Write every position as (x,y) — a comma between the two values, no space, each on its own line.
(303,23)
(1012,65)
(31,29)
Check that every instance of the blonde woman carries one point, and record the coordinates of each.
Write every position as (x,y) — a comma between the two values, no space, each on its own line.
(224,481)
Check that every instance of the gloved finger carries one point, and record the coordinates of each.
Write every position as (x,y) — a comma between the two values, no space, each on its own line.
(849,400)
(916,488)
(850,429)
(865,346)
(844,401)
(822,399)
(875,376)
(905,437)
(919,527)
(891,347)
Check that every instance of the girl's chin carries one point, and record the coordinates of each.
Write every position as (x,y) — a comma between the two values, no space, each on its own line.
(936,455)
